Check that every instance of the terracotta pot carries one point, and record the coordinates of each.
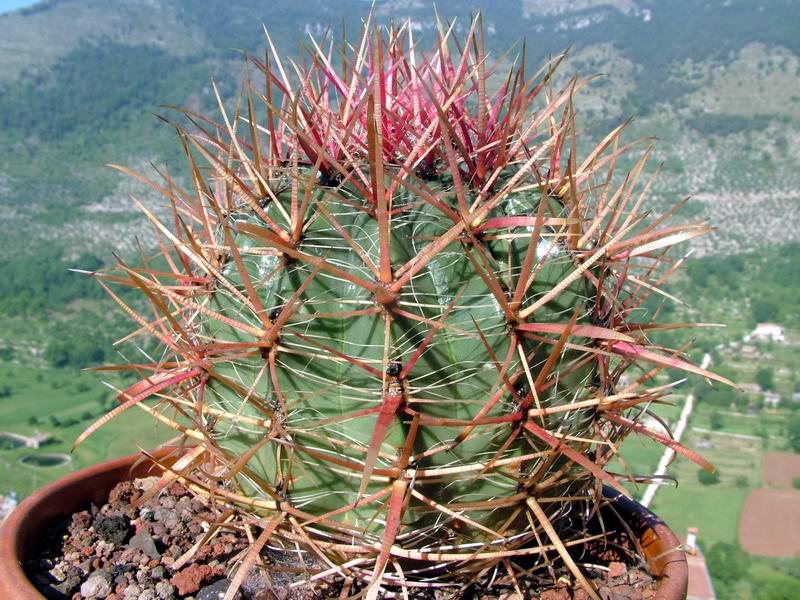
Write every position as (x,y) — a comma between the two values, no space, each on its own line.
(659,545)
(22,531)
(25,527)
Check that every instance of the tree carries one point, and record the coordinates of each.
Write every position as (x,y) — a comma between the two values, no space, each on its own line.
(717,421)
(727,562)
(779,589)
(57,353)
(707,478)
(793,432)
(765,377)
(73,351)
(765,309)
(82,387)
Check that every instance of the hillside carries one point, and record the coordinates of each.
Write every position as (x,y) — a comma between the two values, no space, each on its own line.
(80,79)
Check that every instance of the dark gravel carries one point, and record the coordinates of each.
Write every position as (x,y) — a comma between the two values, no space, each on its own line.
(119,552)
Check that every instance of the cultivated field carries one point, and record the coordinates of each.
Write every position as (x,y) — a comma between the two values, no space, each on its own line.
(770,522)
(737,500)
(780,469)
(72,399)
(36,400)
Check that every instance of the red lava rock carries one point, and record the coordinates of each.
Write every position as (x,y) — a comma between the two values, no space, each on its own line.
(82,519)
(87,550)
(616,569)
(122,493)
(213,550)
(191,579)
(221,549)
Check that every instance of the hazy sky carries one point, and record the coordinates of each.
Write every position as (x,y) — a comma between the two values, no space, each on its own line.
(7,5)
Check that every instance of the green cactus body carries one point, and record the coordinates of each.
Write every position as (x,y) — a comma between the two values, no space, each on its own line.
(324,396)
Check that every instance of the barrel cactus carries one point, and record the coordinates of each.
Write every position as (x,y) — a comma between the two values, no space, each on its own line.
(393,310)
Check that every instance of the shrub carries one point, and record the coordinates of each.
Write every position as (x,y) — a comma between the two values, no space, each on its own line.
(707,478)
(727,561)
(793,432)
(765,377)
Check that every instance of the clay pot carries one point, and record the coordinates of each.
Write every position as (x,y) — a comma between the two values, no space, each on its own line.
(22,531)
(26,526)
(659,545)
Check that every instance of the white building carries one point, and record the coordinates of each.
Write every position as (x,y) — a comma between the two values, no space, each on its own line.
(766,332)
(772,399)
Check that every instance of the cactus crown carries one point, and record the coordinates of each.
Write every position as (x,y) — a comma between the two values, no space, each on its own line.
(396,308)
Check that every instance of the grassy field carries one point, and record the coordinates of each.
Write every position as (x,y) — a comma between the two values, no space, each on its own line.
(75,400)
(61,402)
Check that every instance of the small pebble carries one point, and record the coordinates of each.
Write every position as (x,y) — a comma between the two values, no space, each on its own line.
(144,541)
(114,530)
(216,591)
(95,587)
(165,591)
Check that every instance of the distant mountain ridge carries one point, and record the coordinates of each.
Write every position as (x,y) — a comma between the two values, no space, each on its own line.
(717,81)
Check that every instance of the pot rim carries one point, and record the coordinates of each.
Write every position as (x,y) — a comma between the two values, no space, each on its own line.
(28,523)
(661,547)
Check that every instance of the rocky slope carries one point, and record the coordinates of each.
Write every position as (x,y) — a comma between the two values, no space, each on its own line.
(79,80)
